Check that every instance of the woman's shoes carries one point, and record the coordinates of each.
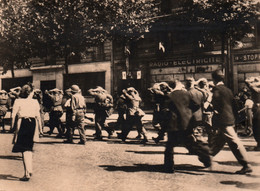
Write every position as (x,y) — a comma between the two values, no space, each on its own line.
(25,178)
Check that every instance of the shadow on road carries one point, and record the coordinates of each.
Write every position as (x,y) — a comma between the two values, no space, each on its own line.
(182,168)
(145,152)
(8,177)
(154,152)
(238,184)
(10,157)
(234,163)
(50,142)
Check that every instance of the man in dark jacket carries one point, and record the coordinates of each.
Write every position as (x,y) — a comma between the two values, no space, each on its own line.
(224,121)
(179,127)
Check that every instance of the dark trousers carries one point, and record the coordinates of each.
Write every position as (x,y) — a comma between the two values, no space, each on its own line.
(176,138)
(158,118)
(70,126)
(130,122)
(55,121)
(256,125)
(120,120)
(100,119)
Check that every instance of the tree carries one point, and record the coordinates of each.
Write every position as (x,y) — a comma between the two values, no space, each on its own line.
(14,36)
(54,29)
(206,22)
(226,21)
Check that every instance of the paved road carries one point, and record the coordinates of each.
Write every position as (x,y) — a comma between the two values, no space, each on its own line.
(112,165)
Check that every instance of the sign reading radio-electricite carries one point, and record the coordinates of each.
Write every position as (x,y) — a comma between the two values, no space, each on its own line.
(186,62)
(247,57)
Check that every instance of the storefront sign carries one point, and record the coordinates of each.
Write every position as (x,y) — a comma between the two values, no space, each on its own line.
(247,57)
(186,62)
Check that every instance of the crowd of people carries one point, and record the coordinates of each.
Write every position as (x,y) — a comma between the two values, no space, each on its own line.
(201,115)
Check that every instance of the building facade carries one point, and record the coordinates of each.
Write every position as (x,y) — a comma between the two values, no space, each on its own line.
(160,56)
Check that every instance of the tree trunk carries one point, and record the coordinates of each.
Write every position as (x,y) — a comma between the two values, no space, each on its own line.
(12,69)
(67,54)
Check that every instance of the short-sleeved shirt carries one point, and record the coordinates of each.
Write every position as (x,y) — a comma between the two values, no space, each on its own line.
(249,104)
(21,108)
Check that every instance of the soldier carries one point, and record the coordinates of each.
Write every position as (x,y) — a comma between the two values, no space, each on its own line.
(78,108)
(3,107)
(134,115)
(159,92)
(103,109)
(121,110)
(13,95)
(254,85)
(69,124)
(38,95)
(56,112)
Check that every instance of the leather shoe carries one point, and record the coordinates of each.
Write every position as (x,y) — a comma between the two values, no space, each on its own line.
(81,143)
(144,141)
(156,140)
(67,141)
(169,171)
(245,170)
(138,137)
(99,138)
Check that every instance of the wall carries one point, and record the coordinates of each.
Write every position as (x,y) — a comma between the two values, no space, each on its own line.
(246,63)
(94,67)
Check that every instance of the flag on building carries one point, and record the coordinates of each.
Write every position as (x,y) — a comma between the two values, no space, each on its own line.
(127,51)
(161,47)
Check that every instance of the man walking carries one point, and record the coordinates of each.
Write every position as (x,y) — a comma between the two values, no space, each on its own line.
(224,121)
(78,108)
(178,112)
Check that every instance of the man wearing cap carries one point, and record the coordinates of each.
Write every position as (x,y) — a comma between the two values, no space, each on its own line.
(78,108)
(224,121)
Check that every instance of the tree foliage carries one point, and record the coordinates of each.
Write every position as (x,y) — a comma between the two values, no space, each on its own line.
(15,46)
(224,19)
(64,28)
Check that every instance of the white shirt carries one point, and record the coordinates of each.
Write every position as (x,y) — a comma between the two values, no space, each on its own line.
(27,107)
(249,104)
